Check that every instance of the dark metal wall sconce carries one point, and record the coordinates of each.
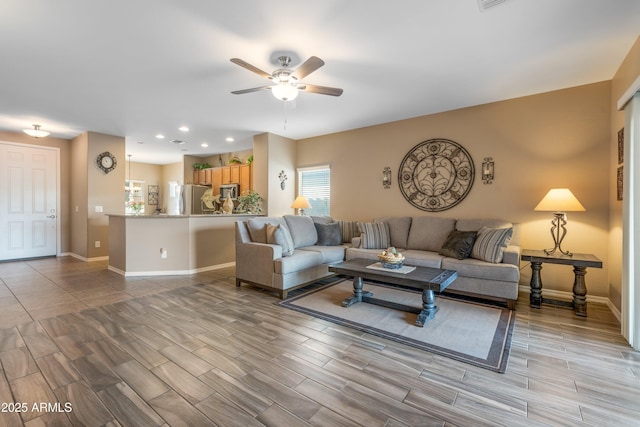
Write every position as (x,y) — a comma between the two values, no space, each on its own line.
(487,170)
(386,177)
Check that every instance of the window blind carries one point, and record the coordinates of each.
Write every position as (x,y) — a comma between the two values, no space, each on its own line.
(315,186)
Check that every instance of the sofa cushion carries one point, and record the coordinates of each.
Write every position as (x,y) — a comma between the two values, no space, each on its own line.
(375,235)
(477,269)
(349,230)
(257,227)
(300,260)
(491,243)
(329,253)
(328,234)
(302,230)
(428,233)
(279,235)
(459,244)
(398,229)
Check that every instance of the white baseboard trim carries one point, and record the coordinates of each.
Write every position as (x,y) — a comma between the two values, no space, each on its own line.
(171,272)
(568,296)
(85,259)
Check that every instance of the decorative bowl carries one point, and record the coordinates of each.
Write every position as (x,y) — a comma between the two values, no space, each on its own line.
(390,261)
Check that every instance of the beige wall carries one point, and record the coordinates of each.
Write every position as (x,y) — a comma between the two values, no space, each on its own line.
(78,188)
(64,145)
(106,190)
(625,76)
(273,154)
(556,139)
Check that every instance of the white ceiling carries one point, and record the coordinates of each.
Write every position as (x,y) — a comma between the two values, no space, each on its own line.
(136,68)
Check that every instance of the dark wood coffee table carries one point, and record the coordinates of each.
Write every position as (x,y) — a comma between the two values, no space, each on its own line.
(424,278)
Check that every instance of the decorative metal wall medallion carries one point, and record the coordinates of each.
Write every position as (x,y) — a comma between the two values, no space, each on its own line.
(436,175)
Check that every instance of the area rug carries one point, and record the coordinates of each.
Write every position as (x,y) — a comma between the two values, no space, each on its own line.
(469,331)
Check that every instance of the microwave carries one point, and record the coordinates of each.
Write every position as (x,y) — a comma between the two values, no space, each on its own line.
(228,190)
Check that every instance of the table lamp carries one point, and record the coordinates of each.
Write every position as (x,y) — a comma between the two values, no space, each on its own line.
(559,201)
(301,203)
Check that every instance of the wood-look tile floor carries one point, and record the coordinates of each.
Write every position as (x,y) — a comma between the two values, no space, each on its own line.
(95,349)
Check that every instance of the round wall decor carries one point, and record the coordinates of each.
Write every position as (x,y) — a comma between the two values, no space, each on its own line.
(436,175)
(106,161)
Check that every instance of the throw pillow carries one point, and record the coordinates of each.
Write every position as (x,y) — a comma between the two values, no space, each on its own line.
(491,243)
(459,244)
(324,219)
(328,234)
(302,230)
(375,235)
(349,230)
(278,235)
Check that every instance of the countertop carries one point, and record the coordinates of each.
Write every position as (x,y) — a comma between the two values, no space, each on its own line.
(154,216)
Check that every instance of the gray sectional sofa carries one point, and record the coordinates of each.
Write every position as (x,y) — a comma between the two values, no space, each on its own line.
(313,245)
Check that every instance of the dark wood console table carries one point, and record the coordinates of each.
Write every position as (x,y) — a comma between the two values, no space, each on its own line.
(580,262)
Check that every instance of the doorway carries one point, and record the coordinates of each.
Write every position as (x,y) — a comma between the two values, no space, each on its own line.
(28,201)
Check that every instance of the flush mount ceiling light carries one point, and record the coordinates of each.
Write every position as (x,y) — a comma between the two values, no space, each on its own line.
(36,132)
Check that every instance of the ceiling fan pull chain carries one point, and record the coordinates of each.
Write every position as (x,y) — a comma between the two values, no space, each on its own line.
(285,114)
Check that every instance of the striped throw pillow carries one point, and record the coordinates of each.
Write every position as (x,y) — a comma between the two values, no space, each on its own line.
(349,230)
(491,243)
(375,235)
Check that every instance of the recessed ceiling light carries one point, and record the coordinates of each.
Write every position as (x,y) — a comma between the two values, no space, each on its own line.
(160,136)
(229,139)
(183,129)
(204,145)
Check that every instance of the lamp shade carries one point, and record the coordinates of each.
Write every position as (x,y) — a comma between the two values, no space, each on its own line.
(559,200)
(301,202)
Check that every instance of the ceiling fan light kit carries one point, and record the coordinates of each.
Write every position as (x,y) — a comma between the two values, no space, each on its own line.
(285,92)
(286,81)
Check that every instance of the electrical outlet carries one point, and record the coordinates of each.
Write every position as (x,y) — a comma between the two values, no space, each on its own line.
(99,208)
(163,253)
(97,243)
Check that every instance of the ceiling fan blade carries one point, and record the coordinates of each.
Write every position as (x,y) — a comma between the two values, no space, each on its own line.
(308,67)
(323,90)
(253,89)
(250,67)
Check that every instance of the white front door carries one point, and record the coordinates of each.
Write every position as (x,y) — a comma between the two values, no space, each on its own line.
(28,201)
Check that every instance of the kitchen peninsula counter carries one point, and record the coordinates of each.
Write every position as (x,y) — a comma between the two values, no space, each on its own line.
(152,245)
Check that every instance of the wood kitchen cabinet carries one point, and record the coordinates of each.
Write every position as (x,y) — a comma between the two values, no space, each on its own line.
(216,180)
(231,174)
(246,176)
(202,176)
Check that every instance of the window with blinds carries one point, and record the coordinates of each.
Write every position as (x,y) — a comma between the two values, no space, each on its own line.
(314,184)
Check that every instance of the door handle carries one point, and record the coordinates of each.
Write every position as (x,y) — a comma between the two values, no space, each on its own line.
(51,216)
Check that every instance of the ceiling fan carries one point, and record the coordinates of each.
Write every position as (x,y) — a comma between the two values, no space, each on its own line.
(286,82)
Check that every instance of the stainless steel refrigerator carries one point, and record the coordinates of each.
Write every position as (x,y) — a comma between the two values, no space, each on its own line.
(193,202)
